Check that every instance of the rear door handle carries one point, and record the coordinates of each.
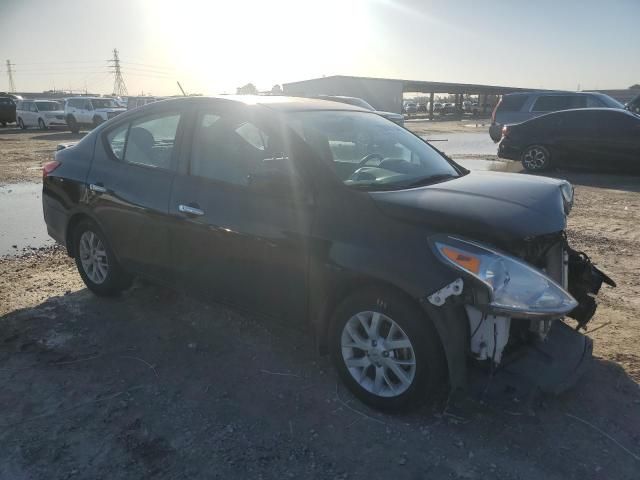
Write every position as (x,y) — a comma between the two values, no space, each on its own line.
(189,210)
(96,187)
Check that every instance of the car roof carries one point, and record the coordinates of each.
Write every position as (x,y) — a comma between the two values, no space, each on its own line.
(273,102)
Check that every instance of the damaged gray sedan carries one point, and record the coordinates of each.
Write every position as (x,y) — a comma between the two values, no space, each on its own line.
(405,266)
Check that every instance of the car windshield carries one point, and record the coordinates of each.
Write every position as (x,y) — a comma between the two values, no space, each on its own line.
(48,106)
(370,152)
(103,103)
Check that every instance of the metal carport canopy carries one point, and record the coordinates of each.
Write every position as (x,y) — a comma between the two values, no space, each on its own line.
(469,88)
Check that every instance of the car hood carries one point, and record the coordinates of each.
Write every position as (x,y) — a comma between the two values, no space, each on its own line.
(493,206)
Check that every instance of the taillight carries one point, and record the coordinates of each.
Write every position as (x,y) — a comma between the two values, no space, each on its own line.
(49,167)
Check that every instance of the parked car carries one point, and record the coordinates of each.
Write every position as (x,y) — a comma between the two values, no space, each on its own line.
(7,110)
(519,107)
(448,108)
(633,105)
(39,113)
(410,107)
(402,263)
(359,102)
(421,107)
(598,138)
(89,111)
(437,107)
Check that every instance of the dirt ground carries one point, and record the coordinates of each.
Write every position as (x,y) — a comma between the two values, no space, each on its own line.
(156,384)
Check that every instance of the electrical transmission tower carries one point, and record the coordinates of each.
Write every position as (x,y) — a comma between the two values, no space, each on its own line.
(119,87)
(12,85)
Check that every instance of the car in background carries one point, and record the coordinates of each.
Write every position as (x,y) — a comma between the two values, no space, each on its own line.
(7,109)
(410,107)
(519,107)
(422,107)
(39,113)
(595,138)
(89,111)
(448,108)
(633,105)
(400,263)
(359,102)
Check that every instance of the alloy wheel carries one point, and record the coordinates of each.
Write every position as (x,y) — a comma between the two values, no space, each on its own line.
(93,256)
(378,354)
(535,158)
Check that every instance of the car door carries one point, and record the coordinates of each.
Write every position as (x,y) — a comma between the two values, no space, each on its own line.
(30,114)
(578,138)
(619,140)
(129,186)
(233,240)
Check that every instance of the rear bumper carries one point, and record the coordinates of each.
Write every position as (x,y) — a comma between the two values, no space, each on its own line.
(495,132)
(510,152)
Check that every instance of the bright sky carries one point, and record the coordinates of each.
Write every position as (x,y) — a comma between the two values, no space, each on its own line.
(215,46)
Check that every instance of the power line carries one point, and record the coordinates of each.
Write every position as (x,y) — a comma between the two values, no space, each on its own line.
(12,85)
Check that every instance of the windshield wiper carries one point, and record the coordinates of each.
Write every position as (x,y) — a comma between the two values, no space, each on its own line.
(431,179)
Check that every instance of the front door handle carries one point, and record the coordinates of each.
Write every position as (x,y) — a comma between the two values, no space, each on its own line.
(96,187)
(189,210)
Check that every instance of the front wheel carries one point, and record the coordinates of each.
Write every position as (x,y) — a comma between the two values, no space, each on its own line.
(536,158)
(21,124)
(386,350)
(73,124)
(96,262)
(41,124)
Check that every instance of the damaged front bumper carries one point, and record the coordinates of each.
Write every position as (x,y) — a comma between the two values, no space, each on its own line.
(542,347)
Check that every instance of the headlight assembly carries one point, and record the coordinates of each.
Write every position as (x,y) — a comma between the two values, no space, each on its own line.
(567,195)
(515,288)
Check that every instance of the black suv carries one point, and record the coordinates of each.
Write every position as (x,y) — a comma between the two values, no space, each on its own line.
(403,264)
(7,109)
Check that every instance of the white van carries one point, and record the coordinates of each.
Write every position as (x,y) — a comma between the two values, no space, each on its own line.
(39,113)
(89,111)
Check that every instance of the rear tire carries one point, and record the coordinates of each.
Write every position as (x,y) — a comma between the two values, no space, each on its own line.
(396,361)
(21,124)
(73,124)
(96,262)
(41,124)
(536,158)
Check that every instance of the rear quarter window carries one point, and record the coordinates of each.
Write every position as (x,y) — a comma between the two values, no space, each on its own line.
(512,103)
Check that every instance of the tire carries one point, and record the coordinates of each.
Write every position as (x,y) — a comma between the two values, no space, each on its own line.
(21,124)
(536,158)
(374,376)
(72,124)
(4,124)
(41,124)
(97,121)
(96,262)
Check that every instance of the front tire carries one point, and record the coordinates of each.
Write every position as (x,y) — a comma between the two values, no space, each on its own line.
(21,124)
(386,350)
(536,158)
(41,124)
(96,262)
(73,124)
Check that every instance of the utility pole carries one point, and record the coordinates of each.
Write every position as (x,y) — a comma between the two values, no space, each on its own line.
(12,85)
(119,87)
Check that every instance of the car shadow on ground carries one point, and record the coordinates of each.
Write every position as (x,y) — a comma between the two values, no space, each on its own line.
(61,135)
(155,383)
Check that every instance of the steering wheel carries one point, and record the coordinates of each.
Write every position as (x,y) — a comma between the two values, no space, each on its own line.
(368,157)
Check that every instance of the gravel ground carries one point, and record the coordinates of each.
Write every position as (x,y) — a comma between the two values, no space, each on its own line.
(155,384)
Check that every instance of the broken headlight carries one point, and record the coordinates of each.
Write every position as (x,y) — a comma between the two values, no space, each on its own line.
(515,288)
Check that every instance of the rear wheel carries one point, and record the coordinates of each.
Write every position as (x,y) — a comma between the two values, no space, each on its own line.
(386,350)
(97,265)
(41,124)
(73,124)
(21,124)
(536,158)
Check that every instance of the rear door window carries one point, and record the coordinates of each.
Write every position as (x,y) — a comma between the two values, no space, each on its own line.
(151,141)
(552,103)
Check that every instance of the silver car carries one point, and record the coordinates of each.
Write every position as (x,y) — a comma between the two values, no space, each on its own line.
(518,107)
